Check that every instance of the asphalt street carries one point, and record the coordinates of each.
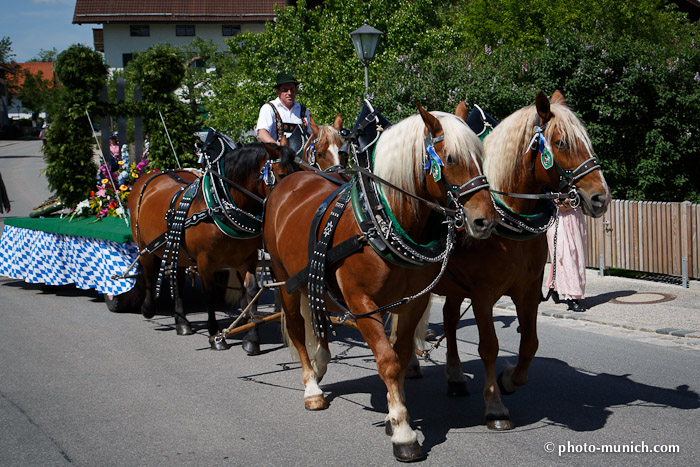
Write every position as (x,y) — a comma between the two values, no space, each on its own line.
(84,386)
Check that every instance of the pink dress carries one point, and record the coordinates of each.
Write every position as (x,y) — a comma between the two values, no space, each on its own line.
(114,150)
(571,253)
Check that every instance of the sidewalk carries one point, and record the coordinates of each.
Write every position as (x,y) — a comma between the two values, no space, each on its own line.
(633,304)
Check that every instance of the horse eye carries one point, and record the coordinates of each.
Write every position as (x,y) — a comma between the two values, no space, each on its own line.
(562,145)
(450,159)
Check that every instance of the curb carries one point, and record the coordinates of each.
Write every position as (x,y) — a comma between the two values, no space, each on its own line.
(581,317)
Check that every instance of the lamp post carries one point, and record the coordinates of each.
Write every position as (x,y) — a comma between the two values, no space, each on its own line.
(365,40)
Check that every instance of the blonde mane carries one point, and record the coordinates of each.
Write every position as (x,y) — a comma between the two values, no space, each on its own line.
(400,152)
(331,135)
(506,145)
(327,131)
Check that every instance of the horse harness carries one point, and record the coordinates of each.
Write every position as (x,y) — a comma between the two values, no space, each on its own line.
(378,226)
(221,208)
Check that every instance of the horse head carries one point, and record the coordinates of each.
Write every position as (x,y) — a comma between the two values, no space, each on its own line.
(256,167)
(322,148)
(562,157)
(280,162)
(453,174)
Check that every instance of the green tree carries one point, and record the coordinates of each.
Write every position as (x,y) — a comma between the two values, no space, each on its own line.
(199,55)
(6,54)
(641,103)
(36,93)
(159,72)
(46,55)
(315,45)
(70,169)
(528,23)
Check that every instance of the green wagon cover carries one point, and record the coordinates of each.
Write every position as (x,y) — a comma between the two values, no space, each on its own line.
(107,228)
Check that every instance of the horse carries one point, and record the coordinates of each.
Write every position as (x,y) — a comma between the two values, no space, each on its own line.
(539,147)
(228,238)
(368,280)
(322,150)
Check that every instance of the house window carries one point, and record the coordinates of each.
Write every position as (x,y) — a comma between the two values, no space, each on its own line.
(126,58)
(140,30)
(184,30)
(230,30)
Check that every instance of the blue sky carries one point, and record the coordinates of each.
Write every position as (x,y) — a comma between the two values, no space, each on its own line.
(33,25)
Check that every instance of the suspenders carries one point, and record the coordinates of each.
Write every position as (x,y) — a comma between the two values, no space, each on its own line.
(283,127)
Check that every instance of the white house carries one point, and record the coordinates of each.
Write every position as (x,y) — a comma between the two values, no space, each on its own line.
(130,26)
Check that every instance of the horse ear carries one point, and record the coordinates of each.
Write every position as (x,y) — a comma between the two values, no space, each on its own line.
(558,98)
(338,122)
(284,141)
(274,150)
(461,110)
(313,126)
(542,105)
(431,122)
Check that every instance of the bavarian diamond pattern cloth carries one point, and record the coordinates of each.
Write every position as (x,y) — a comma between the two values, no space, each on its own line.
(55,259)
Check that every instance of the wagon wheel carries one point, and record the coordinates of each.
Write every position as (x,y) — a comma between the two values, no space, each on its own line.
(128,302)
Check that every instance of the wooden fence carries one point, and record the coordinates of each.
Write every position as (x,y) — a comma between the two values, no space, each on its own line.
(653,237)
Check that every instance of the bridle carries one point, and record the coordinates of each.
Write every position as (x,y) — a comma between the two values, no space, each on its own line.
(267,174)
(539,146)
(455,193)
(310,153)
(311,157)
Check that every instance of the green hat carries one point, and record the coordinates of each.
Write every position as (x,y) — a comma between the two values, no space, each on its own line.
(285,77)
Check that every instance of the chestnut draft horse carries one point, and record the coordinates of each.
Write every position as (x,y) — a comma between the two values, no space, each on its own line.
(368,282)
(322,150)
(537,149)
(221,227)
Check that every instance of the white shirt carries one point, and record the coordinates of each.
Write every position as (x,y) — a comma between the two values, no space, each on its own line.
(267,121)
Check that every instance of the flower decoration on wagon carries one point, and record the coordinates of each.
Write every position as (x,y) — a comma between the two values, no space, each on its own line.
(109,198)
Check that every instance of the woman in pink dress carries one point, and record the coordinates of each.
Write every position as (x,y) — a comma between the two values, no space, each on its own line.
(570,269)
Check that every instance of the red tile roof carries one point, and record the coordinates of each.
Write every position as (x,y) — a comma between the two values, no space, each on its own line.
(174,11)
(46,69)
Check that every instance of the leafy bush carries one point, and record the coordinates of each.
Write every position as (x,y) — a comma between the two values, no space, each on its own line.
(640,103)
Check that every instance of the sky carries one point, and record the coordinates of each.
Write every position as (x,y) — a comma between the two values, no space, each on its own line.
(33,25)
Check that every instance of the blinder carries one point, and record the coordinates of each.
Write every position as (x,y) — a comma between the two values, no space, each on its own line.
(567,177)
(454,192)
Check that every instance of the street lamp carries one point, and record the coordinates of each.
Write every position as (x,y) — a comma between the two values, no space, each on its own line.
(365,40)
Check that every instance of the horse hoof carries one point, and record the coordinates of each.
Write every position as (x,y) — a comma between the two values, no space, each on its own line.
(251,348)
(499,425)
(184,329)
(218,343)
(414,372)
(457,388)
(388,429)
(408,452)
(501,387)
(148,313)
(315,403)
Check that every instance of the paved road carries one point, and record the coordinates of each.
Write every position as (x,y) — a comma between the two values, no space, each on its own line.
(21,165)
(87,387)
